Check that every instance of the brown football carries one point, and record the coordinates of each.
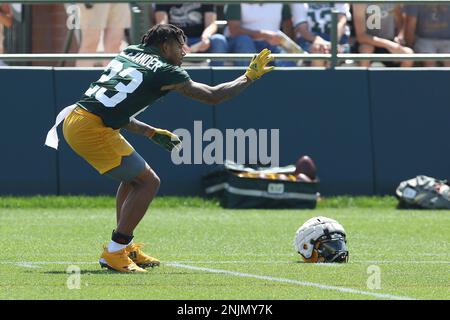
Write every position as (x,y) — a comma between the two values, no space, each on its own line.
(306,166)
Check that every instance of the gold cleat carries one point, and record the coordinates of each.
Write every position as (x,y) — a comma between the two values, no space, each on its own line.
(119,261)
(140,258)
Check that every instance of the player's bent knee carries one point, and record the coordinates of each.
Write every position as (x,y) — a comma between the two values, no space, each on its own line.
(154,181)
(148,179)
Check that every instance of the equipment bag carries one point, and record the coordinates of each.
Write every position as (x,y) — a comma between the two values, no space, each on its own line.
(238,186)
(424,192)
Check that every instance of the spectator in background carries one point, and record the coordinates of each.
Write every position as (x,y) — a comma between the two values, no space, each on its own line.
(198,21)
(388,38)
(312,24)
(110,18)
(428,29)
(253,27)
(6,19)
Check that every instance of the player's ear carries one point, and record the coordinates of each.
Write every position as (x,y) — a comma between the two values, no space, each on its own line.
(164,47)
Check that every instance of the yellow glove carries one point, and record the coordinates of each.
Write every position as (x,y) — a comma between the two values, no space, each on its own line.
(258,64)
(165,139)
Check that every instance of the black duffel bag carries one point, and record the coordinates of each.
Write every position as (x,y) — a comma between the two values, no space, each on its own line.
(238,186)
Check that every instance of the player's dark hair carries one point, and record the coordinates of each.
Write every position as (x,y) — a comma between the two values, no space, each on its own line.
(161,33)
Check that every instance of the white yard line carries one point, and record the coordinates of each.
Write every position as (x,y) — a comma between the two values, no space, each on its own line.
(27,265)
(181,264)
(291,281)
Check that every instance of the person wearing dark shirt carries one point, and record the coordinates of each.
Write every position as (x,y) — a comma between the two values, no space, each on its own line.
(428,30)
(198,22)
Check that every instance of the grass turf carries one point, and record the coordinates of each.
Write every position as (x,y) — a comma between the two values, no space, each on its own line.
(42,236)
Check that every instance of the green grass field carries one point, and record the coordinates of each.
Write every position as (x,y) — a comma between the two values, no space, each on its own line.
(212,253)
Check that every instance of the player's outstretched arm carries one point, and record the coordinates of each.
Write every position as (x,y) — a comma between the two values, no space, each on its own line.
(224,91)
(213,95)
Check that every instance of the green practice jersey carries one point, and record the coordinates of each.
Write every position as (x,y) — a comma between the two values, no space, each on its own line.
(129,84)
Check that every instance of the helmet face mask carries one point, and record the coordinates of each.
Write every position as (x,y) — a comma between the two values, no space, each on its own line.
(332,248)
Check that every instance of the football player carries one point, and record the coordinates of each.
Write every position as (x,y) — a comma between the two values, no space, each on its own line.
(133,80)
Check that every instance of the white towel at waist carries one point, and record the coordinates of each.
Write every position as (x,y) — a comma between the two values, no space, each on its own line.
(52,136)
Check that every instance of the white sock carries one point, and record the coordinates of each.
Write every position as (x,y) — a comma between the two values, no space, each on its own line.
(114,246)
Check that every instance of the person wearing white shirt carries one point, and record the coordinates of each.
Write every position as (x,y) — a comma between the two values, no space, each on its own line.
(253,27)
